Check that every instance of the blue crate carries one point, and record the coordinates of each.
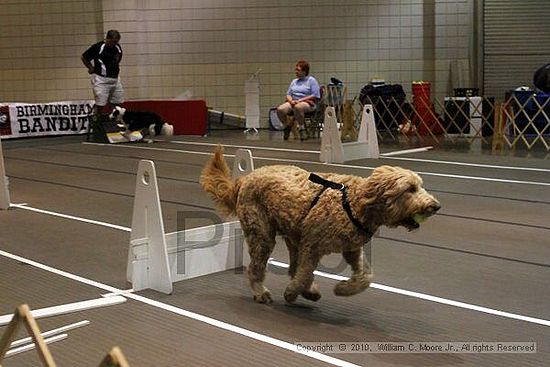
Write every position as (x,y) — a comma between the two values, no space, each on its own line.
(530,111)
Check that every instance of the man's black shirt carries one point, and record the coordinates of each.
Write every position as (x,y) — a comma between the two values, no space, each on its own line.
(106,59)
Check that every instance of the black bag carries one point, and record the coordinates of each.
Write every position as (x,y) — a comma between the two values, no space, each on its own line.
(389,104)
(541,79)
(386,91)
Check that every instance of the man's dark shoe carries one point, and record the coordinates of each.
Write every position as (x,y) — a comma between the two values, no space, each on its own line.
(286,132)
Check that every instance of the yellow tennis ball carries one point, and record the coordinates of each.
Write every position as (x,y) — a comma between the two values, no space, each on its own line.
(419,218)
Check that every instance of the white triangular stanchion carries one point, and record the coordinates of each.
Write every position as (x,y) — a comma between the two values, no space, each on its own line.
(4,192)
(367,132)
(366,146)
(148,230)
(154,256)
(243,164)
(331,145)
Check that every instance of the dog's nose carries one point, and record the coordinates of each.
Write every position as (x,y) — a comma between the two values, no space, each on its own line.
(435,207)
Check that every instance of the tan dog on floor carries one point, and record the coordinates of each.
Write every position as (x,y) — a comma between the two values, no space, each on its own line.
(316,215)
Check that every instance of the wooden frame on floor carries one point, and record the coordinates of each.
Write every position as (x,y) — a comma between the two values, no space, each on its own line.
(115,358)
(23,315)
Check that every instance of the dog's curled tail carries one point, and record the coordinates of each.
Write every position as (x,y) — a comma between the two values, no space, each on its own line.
(216,181)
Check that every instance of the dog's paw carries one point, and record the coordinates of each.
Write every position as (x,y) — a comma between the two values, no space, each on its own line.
(290,297)
(265,297)
(347,288)
(312,294)
(353,286)
(292,292)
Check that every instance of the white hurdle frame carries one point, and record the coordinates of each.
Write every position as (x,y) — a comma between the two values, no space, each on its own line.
(154,256)
(147,236)
(366,146)
(4,192)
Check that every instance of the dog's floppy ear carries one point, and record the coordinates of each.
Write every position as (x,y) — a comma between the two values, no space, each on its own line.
(117,113)
(394,181)
(114,113)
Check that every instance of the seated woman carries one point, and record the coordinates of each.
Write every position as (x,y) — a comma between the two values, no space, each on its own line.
(301,97)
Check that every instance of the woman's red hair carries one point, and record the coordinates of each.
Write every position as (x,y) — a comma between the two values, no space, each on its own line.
(304,65)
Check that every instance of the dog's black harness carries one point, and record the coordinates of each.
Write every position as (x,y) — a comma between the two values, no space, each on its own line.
(345,202)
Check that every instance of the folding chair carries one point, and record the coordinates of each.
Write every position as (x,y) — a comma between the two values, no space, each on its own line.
(314,119)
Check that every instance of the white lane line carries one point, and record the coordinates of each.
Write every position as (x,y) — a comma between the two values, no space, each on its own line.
(62,273)
(469,164)
(296,161)
(241,146)
(477,178)
(71,217)
(459,177)
(431,298)
(245,332)
(388,155)
(149,148)
(405,151)
(189,314)
(381,287)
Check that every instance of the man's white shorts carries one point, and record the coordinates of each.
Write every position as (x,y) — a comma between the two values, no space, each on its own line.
(107,90)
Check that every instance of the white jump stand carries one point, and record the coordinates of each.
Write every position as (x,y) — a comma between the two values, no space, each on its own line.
(4,192)
(252,94)
(148,235)
(366,146)
(155,259)
(243,163)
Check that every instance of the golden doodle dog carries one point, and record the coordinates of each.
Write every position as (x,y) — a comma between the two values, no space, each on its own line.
(317,215)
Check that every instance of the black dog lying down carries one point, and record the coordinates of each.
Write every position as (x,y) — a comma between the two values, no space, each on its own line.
(148,123)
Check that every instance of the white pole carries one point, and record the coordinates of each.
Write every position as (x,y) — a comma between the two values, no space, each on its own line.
(4,192)
(47,334)
(28,347)
(67,308)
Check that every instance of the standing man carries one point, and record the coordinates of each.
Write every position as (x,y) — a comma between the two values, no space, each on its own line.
(104,70)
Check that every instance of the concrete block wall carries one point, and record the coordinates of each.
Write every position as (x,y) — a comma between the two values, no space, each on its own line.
(206,49)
